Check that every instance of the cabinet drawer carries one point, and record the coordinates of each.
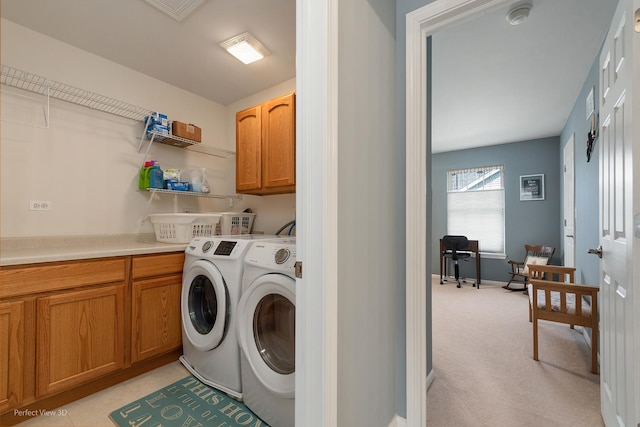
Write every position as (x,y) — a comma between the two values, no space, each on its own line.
(157,265)
(22,280)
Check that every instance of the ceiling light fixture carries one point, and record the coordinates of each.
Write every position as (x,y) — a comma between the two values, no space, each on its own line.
(518,13)
(245,47)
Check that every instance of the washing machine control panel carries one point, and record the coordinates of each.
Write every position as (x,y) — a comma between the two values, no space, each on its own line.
(225,248)
(207,245)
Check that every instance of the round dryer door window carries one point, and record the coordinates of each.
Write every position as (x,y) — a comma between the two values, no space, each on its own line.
(274,330)
(266,331)
(205,305)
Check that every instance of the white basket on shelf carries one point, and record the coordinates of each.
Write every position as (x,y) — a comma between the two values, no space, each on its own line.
(234,223)
(182,227)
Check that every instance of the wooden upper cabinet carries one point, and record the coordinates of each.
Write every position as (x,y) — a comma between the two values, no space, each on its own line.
(265,147)
(249,149)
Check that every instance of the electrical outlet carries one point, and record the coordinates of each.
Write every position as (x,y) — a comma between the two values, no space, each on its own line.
(40,205)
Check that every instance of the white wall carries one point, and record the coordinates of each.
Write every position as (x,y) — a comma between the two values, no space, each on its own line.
(369,239)
(86,163)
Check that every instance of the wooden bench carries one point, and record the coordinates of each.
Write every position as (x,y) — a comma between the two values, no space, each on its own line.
(554,296)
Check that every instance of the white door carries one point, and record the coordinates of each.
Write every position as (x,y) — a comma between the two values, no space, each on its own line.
(569,204)
(619,197)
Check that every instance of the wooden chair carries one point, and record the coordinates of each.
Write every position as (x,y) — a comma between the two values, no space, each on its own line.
(558,299)
(534,254)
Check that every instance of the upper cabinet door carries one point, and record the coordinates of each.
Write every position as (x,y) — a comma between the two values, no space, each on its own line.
(279,143)
(266,147)
(249,149)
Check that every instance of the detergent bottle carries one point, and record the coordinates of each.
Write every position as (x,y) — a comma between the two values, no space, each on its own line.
(143,180)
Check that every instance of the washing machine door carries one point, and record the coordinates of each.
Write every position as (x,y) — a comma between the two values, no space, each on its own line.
(267,330)
(205,305)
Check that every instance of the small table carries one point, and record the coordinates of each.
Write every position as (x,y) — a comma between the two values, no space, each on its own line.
(471,247)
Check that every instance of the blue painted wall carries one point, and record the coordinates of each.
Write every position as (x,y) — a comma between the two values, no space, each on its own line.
(586,182)
(526,222)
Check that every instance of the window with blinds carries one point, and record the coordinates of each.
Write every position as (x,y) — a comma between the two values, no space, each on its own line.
(475,206)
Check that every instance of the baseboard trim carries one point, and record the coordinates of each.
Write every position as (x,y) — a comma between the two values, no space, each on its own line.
(430,377)
(483,281)
(398,421)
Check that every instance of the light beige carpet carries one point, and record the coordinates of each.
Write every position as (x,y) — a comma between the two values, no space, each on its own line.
(484,371)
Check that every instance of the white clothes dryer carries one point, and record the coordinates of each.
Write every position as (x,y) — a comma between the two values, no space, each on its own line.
(266,331)
(211,287)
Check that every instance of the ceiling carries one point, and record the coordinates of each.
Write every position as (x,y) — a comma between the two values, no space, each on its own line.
(496,83)
(493,82)
(185,54)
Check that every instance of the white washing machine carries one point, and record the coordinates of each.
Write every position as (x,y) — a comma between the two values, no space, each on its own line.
(211,287)
(266,331)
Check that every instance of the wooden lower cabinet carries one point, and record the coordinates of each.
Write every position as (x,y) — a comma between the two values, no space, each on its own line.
(12,354)
(155,313)
(69,328)
(79,336)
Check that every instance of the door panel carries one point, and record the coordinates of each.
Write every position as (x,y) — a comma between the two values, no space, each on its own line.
(618,356)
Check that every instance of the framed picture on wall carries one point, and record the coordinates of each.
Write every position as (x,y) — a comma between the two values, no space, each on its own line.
(532,187)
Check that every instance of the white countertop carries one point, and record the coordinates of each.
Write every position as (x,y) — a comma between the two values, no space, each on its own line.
(29,250)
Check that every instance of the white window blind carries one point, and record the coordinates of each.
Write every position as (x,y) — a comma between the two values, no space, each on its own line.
(475,206)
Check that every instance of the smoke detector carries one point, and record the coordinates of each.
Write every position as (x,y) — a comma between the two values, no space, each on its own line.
(518,13)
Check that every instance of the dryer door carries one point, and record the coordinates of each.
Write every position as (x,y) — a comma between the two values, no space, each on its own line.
(205,305)
(267,329)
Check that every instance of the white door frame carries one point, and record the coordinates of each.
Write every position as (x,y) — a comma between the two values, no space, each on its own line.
(420,24)
(316,212)
(569,202)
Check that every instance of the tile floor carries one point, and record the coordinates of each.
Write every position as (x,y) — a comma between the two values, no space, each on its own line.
(94,410)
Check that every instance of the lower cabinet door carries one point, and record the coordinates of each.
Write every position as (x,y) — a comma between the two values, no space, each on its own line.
(156,319)
(79,337)
(11,354)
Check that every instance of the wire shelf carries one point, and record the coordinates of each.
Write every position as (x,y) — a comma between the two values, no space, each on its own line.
(194,194)
(14,77)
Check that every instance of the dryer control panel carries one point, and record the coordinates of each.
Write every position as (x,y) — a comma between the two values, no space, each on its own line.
(274,256)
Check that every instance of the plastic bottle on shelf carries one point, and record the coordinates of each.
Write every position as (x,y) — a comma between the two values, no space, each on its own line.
(205,185)
(156,176)
(143,180)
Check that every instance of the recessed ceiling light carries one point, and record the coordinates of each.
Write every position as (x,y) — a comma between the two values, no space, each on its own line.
(518,13)
(177,9)
(245,47)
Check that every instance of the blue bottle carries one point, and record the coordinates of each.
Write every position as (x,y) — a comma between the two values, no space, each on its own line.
(156,176)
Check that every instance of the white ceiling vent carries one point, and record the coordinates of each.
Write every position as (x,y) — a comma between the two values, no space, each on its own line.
(177,9)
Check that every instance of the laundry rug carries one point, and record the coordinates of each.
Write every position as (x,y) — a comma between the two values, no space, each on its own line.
(186,403)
